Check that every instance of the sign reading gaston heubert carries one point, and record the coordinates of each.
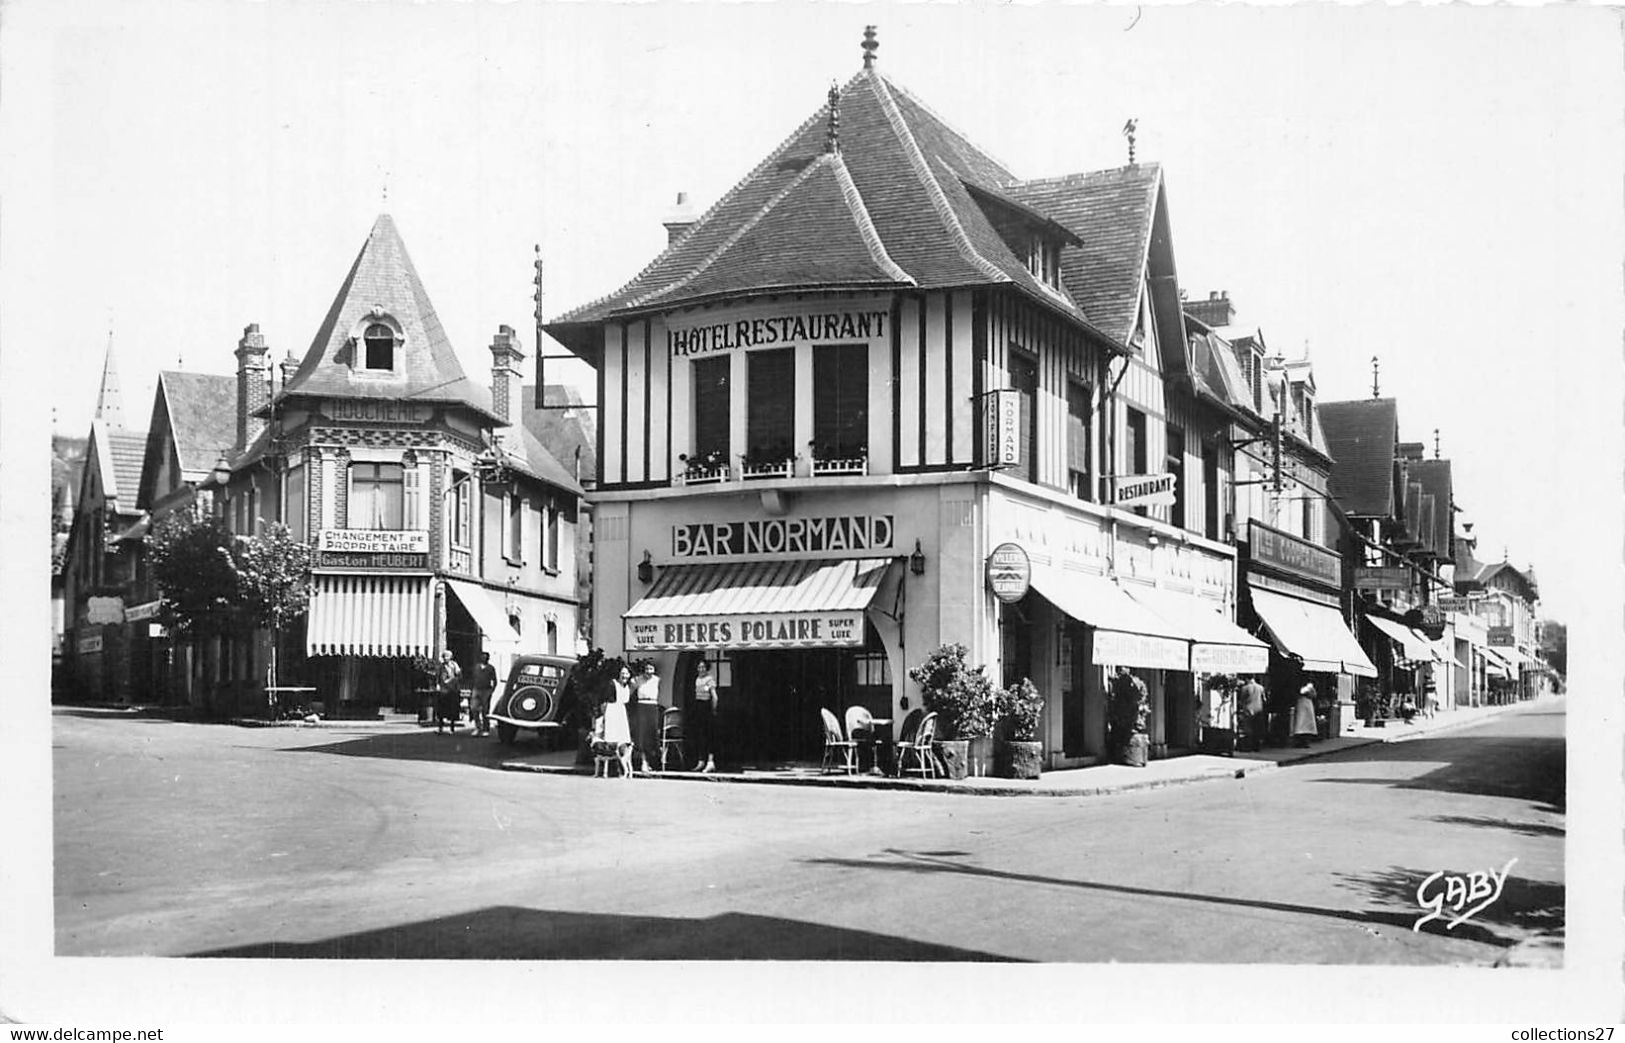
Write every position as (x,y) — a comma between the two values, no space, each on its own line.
(372,548)
(1009,572)
(776,329)
(857,532)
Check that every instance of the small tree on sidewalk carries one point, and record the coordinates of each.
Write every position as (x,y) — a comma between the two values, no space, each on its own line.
(192,563)
(273,580)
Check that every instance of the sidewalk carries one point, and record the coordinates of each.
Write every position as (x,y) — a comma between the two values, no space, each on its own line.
(1068,782)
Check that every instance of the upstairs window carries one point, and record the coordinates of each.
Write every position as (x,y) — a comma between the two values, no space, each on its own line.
(1024,379)
(1175,466)
(711,410)
(1135,452)
(550,544)
(378,345)
(377,496)
(462,509)
(514,544)
(1210,489)
(840,401)
(770,422)
(1079,441)
(1044,261)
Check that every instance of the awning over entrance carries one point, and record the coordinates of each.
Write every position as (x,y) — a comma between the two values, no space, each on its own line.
(1314,633)
(1416,647)
(1126,632)
(1496,663)
(370,616)
(756,604)
(487,612)
(1217,645)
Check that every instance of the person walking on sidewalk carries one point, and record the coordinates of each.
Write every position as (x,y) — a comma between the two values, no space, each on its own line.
(702,711)
(1304,728)
(484,679)
(1251,717)
(447,677)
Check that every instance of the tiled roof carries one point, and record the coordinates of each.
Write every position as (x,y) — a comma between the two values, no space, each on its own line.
(1434,476)
(1112,212)
(906,216)
(1360,436)
(202,409)
(117,458)
(563,431)
(383,277)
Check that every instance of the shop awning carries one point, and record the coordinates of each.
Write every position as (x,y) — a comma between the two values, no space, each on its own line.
(1126,632)
(756,604)
(487,612)
(1217,645)
(370,616)
(1314,633)
(1414,646)
(1496,663)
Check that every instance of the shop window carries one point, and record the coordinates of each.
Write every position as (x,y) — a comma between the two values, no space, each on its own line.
(377,496)
(378,344)
(550,543)
(1176,467)
(711,412)
(771,407)
(840,402)
(1079,441)
(872,669)
(721,668)
(1024,379)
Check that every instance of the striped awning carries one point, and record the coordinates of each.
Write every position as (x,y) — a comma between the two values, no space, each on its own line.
(1315,633)
(1415,646)
(1126,633)
(756,604)
(370,616)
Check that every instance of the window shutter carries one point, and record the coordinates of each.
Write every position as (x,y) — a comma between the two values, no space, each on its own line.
(411,508)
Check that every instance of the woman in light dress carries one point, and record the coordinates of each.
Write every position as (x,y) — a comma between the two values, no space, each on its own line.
(612,729)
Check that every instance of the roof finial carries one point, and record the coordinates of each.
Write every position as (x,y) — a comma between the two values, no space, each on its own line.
(1128,132)
(1374,392)
(1436,454)
(870,46)
(832,135)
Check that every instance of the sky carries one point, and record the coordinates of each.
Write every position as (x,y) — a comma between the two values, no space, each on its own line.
(1436,186)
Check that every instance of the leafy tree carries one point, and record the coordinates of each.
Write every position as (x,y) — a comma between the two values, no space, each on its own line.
(192,561)
(273,581)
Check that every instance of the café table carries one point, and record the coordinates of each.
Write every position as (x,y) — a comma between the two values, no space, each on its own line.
(879,741)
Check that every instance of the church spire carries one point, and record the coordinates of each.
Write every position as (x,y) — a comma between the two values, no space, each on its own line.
(109,403)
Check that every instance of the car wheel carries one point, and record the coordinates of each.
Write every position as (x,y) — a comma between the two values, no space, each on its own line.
(506,733)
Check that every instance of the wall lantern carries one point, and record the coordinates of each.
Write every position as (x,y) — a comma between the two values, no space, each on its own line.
(916,561)
(222,471)
(646,569)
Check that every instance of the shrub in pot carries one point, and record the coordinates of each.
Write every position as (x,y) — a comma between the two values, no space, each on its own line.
(1017,751)
(963,699)
(1128,712)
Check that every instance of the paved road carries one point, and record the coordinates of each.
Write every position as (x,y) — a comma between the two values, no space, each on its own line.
(189,839)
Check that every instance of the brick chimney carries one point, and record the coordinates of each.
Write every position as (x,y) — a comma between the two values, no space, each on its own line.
(290,366)
(1215,311)
(253,384)
(507,382)
(679,219)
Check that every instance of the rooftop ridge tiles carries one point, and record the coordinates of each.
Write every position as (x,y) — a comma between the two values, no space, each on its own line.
(947,125)
(866,225)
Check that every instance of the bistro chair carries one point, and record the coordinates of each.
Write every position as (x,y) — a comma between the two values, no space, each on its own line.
(837,747)
(919,744)
(671,736)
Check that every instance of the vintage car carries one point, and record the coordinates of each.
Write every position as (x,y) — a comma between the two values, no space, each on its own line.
(530,699)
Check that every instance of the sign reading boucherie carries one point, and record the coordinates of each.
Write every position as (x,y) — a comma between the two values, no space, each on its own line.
(782,536)
(767,630)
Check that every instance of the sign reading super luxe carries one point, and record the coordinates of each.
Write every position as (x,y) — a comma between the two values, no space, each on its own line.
(776,329)
(782,536)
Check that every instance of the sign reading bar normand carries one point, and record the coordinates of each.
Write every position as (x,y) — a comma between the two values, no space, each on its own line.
(1287,553)
(776,329)
(377,410)
(1009,572)
(1001,420)
(1143,490)
(861,532)
(1382,577)
(765,630)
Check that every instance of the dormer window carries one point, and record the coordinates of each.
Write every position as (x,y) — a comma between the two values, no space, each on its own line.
(378,347)
(1044,260)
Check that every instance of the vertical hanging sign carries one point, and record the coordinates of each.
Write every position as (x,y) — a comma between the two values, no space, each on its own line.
(1001,428)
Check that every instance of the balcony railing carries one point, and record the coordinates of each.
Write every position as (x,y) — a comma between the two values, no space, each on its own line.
(784,468)
(840,465)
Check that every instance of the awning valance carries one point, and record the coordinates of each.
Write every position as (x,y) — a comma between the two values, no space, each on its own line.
(756,604)
(1496,663)
(1217,645)
(370,616)
(1126,632)
(487,612)
(1314,633)
(1414,646)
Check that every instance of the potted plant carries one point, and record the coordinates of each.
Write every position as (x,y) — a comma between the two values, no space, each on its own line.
(1128,712)
(1017,751)
(962,697)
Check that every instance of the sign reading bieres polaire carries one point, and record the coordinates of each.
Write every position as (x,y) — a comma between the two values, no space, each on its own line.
(858,532)
(764,630)
(776,329)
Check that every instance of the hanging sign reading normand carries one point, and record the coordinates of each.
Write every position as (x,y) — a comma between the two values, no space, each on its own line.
(776,329)
(858,532)
(1143,490)
(841,629)
(1001,426)
(1009,572)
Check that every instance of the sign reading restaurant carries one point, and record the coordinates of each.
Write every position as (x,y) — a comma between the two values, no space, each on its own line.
(1287,553)
(776,329)
(372,549)
(782,536)
(765,630)
(1143,490)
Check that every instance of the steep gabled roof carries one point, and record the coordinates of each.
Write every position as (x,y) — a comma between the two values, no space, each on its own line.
(1435,479)
(383,279)
(1360,436)
(116,455)
(200,409)
(564,431)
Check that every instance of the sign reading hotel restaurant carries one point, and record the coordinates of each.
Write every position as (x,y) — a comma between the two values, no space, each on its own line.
(1286,552)
(372,549)
(1143,490)
(776,329)
(1009,572)
(1001,419)
(857,532)
(765,630)
(1501,637)
(377,410)
(1382,577)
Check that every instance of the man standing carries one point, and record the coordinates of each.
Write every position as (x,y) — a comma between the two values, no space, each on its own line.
(1252,714)
(484,679)
(447,677)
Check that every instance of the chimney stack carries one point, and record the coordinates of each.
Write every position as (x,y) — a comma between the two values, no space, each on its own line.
(290,366)
(1216,311)
(507,382)
(679,219)
(253,384)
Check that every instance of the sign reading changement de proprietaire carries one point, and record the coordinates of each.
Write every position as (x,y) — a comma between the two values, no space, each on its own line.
(793,536)
(755,631)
